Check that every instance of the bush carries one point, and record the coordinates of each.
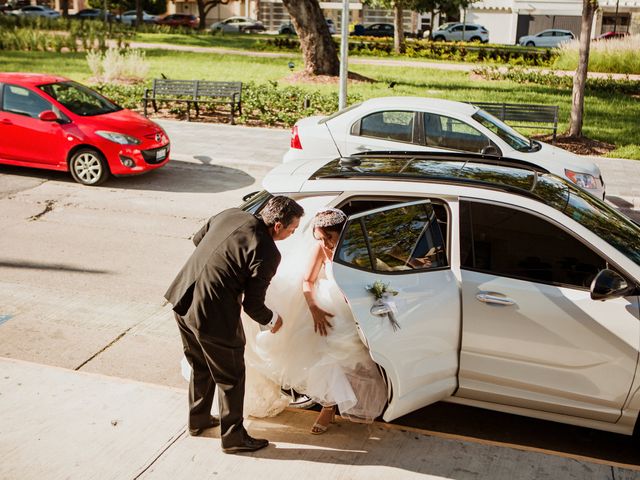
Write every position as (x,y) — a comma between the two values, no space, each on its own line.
(565,82)
(127,96)
(118,65)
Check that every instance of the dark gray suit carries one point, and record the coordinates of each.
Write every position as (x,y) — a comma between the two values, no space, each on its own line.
(235,255)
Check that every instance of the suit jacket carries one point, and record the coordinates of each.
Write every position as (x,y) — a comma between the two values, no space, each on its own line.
(235,255)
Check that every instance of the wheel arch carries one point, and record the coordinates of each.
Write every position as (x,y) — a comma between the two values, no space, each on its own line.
(81,146)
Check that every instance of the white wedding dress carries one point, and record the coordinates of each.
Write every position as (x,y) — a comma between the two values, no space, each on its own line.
(332,370)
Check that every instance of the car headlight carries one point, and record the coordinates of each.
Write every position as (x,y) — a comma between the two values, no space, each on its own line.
(583,180)
(120,138)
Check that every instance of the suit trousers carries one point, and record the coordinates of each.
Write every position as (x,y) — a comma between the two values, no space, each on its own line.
(214,364)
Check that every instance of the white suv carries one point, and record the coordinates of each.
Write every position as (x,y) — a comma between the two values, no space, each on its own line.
(457,32)
(525,298)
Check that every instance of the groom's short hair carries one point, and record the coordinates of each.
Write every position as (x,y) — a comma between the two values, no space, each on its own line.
(281,209)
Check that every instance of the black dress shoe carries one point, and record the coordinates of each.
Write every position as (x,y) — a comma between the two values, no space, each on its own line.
(213,422)
(249,444)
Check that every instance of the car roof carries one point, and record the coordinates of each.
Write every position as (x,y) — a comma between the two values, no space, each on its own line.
(463,169)
(417,103)
(31,79)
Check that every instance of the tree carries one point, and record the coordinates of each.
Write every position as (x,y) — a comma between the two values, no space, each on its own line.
(589,8)
(318,50)
(204,7)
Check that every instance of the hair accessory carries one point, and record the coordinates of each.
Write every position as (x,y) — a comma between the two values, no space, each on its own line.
(329,217)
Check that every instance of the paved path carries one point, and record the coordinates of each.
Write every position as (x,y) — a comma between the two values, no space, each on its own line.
(61,424)
(464,67)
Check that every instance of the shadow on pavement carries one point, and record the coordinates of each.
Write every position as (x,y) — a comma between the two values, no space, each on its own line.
(176,176)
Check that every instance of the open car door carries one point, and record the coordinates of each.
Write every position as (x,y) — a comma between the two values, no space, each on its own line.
(403,246)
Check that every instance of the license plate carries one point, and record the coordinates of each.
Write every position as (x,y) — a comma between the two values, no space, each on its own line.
(161,154)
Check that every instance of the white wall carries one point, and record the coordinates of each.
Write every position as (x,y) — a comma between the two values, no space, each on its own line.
(501,24)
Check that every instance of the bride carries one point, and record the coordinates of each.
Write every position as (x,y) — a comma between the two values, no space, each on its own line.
(317,351)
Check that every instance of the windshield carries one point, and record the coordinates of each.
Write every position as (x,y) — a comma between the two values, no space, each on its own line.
(444,26)
(514,139)
(79,99)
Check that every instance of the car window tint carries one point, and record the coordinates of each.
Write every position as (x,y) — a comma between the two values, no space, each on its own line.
(507,242)
(446,132)
(390,125)
(406,238)
(23,101)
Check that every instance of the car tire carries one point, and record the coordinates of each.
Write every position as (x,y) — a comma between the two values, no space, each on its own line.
(88,167)
(475,39)
(439,38)
(530,44)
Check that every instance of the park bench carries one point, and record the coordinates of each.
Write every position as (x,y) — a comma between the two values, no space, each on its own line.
(194,92)
(524,115)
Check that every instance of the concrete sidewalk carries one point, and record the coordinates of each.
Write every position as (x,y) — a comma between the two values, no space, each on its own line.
(62,424)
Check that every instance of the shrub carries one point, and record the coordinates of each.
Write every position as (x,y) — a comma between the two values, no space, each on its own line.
(118,65)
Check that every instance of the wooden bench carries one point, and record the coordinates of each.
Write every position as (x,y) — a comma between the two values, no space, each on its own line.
(194,92)
(524,115)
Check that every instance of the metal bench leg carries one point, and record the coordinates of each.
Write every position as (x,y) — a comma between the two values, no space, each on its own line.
(144,104)
(155,105)
(197,108)
(233,122)
(188,111)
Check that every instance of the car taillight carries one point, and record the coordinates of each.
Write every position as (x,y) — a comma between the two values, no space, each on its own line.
(295,138)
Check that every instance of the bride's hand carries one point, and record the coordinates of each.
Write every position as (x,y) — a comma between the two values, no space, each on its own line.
(320,322)
(277,325)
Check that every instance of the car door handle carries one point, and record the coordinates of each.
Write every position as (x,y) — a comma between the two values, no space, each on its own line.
(362,148)
(6,121)
(494,298)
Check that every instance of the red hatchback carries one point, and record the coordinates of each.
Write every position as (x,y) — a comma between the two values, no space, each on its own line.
(55,123)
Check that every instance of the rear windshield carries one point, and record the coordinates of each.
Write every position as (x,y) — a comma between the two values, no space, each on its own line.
(340,112)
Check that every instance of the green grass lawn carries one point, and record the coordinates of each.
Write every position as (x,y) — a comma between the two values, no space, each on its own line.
(608,117)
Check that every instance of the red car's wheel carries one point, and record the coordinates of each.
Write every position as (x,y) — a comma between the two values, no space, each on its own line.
(88,167)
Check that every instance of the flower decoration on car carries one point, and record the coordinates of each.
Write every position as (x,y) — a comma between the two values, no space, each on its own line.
(384,306)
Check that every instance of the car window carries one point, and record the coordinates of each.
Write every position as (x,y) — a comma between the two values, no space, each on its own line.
(546,34)
(446,132)
(401,239)
(79,99)
(23,101)
(391,125)
(511,243)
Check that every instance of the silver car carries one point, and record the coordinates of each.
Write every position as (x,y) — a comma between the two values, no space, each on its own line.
(457,32)
(547,38)
(35,11)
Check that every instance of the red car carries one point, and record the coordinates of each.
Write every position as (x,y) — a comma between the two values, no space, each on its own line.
(611,35)
(179,20)
(52,122)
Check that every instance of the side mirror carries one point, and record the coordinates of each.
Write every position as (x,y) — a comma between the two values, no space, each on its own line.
(48,116)
(491,150)
(249,195)
(608,284)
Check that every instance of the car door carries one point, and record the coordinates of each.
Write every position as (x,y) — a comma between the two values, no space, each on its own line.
(455,34)
(32,140)
(381,130)
(532,336)
(545,39)
(404,247)
(442,132)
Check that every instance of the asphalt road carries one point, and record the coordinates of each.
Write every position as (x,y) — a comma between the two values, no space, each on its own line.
(83,270)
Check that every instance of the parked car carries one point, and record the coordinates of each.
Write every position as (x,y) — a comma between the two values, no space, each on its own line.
(178,20)
(129,17)
(547,38)
(35,11)
(517,291)
(54,123)
(460,32)
(430,124)
(287,28)
(374,30)
(93,14)
(611,35)
(238,25)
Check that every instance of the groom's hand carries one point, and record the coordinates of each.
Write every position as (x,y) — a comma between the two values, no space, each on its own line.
(278,325)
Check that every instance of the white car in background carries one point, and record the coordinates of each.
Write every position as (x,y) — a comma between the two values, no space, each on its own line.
(547,38)
(431,125)
(458,32)
(129,17)
(238,25)
(35,11)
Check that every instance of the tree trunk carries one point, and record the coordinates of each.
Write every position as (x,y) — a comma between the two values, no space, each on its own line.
(318,50)
(138,13)
(589,8)
(64,6)
(202,15)
(398,36)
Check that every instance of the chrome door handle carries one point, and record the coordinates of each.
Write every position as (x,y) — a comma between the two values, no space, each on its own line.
(494,298)
(6,121)
(362,148)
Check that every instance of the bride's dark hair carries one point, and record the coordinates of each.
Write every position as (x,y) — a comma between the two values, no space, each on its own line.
(330,220)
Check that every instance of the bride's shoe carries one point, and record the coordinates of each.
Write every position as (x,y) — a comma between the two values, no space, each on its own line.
(319,428)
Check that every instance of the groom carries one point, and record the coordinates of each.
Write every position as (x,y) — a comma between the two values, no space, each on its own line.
(231,268)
